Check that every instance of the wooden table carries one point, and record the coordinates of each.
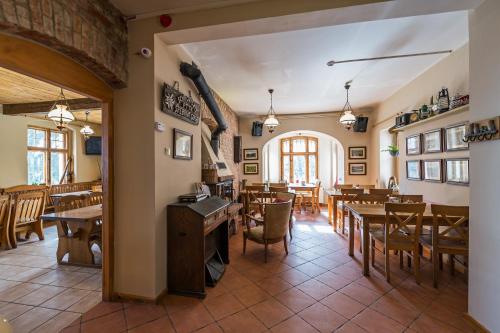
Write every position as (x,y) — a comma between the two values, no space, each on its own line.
(333,198)
(371,214)
(58,196)
(75,238)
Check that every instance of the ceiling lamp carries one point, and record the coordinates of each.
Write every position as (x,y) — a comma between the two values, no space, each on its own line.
(60,113)
(347,119)
(271,121)
(86,131)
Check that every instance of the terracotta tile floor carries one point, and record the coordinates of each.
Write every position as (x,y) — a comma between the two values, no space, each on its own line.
(37,294)
(317,288)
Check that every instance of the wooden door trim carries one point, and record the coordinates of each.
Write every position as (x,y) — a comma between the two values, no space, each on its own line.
(45,64)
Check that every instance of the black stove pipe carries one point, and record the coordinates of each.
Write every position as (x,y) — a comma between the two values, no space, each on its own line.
(192,72)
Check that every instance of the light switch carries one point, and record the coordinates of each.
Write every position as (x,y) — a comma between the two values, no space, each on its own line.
(167,151)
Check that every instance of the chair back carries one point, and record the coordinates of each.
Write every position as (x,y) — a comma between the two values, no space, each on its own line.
(276,219)
(253,194)
(94,199)
(398,217)
(14,191)
(352,191)
(96,188)
(69,202)
(371,199)
(343,186)
(411,198)
(28,207)
(278,185)
(4,212)
(257,184)
(274,190)
(454,222)
(366,187)
(383,191)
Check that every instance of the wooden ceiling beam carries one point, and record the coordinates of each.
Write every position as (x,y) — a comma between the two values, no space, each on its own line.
(44,107)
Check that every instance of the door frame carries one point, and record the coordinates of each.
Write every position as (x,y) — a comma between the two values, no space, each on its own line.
(45,64)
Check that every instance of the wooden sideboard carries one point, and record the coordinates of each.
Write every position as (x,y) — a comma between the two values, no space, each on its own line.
(197,245)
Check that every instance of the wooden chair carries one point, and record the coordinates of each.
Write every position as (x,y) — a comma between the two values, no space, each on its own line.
(366,187)
(348,196)
(311,198)
(395,235)
(287,196)
(411,198)
(4,221)
(352,191)
(343,186)
(63,231)
(94,198)
(273,229)
(254,198)
(383,191)
(451,238)
(28,207)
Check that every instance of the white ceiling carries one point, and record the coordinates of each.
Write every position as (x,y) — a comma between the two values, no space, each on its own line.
(134,7)
(294,63)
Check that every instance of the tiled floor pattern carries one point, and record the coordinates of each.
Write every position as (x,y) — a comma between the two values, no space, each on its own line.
(37,294)
(317,288)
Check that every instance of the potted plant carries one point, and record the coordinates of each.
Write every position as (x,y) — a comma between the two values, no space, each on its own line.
(393,150)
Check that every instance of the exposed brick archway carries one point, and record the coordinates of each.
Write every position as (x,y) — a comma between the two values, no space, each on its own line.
(91,32)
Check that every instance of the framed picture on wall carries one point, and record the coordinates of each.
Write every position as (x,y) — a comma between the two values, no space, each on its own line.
(432,141)
(414,170)
(433,170)
(251,168)
(453,138)
(183,145)
(413,145)
(357,169)
(251,154)
(357,153)
(457,171)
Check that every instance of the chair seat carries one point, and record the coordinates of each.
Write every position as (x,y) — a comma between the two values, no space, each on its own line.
(426,240)
(255,233)
(378,234)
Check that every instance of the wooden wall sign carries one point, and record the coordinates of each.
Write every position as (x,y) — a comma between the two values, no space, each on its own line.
(176,104)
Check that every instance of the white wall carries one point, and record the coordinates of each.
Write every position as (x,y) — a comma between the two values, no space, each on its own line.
(484,286)
(13,150)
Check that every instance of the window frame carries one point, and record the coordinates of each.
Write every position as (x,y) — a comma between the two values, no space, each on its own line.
(48,150)
(290,154)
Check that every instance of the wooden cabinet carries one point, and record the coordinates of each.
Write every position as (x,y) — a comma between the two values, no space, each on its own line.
(197,245)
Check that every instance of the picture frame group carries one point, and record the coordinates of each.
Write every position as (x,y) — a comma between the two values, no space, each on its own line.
(251,154)
(438,140)
(357,168)
(250,168)
(453,171)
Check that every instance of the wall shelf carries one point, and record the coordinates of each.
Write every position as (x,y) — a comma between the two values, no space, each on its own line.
(458,110)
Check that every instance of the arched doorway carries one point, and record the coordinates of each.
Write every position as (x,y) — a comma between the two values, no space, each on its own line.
(47,65)
(329,168)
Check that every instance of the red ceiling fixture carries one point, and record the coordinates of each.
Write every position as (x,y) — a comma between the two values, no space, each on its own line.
(165,20)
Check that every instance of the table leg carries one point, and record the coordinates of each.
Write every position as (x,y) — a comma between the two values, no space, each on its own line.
(351,234)
(366,250)
(334,211)
(330,210)
(79,247)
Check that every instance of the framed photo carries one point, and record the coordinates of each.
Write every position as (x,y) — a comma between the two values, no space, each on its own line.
(183,145)
(413,145)
(251,168)
(357,153)
(432,141)
(433,170)
(251,154)
(357,169)
(457,171)
(414,170)
(453,138)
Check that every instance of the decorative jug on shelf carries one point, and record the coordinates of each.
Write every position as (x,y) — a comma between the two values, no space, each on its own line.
(444,100)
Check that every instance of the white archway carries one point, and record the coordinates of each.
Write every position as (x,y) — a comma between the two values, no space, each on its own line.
(330,159)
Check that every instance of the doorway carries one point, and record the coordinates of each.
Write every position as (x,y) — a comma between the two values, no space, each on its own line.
(41,63)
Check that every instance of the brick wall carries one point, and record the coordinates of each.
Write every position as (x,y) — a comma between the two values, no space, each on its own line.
(227,138)
(92,32)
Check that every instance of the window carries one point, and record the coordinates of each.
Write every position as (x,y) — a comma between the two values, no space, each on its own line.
(299,159)
(47,155)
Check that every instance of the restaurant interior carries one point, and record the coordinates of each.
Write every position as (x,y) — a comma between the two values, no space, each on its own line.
(249,166)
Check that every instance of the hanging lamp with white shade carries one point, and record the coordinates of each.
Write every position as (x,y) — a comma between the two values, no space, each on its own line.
(271,121)
(60,112)
(86,131)
(347,119)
